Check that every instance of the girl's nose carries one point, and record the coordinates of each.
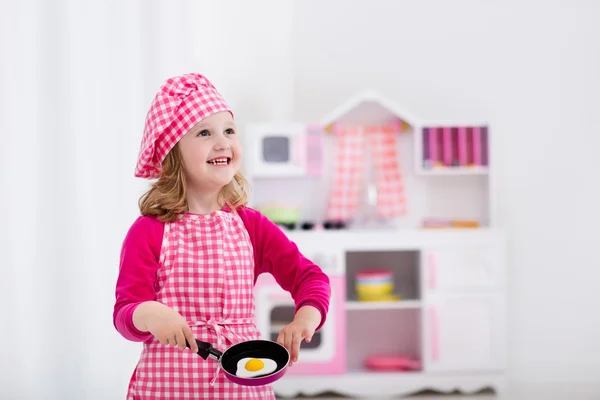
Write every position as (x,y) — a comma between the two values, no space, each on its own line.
(221,142)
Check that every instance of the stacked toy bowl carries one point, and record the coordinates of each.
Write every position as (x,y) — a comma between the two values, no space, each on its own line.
(375,285)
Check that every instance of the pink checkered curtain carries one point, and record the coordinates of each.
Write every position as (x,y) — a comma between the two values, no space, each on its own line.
(344,196)
(391,199)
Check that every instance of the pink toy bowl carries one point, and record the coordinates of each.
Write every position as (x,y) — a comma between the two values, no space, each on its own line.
(382,362)
(376,275)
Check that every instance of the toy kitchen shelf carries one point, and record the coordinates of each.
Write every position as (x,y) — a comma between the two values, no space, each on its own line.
(445,166)
(450,320)
(446,330)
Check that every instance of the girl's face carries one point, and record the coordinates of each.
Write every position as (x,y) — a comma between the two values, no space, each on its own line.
(211,153)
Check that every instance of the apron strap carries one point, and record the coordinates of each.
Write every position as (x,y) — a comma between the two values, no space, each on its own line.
(217,326)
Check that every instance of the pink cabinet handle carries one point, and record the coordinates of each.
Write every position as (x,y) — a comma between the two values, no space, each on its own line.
(435,334)
(432,263)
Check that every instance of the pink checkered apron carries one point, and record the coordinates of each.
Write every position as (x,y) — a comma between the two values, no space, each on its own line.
(207,275)
(348,178)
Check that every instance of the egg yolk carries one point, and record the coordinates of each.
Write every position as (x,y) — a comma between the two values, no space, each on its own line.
(254,365)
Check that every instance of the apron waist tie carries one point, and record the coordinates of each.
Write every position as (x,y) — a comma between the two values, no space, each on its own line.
(217,326)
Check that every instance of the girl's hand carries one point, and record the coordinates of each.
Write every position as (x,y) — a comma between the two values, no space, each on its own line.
(166,324)
(306,320)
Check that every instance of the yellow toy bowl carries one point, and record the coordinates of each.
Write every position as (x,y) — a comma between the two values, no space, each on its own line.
(374,289)
(388,297)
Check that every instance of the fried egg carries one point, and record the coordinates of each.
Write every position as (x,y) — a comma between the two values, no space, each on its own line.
(250,367)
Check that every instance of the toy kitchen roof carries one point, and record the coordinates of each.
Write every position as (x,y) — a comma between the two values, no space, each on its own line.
(370,107)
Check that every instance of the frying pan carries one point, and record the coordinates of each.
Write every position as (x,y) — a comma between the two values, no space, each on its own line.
(252,349)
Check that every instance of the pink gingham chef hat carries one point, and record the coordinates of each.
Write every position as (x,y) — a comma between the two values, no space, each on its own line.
(181,103)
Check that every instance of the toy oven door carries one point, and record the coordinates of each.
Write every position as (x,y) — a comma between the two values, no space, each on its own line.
(325,354)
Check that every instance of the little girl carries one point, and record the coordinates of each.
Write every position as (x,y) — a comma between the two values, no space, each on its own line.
(189,263)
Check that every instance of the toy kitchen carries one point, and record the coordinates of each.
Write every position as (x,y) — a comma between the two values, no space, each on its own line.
(415,304)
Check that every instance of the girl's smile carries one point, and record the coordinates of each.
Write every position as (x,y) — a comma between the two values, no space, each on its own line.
(220,161)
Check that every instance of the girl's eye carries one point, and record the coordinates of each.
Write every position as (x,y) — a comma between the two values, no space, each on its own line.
(203,133)
(229,131)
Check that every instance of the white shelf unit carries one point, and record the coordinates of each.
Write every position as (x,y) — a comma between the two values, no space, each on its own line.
(453,320)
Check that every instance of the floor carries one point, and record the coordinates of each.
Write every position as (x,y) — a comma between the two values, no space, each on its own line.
(562,394)
(474,397)
(428,397)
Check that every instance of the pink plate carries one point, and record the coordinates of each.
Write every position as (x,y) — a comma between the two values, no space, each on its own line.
(392,363)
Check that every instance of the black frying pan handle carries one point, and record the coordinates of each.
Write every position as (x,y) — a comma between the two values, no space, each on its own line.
(206,350)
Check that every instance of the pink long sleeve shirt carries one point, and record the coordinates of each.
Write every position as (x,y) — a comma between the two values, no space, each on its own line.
(274,253)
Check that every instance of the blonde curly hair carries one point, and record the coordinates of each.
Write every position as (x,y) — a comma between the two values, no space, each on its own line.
(166,198)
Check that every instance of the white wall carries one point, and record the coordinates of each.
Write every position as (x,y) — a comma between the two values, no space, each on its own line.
(247,54)
(531,69)
(76,80)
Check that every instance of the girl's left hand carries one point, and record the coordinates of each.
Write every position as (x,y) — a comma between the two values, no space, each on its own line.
(306,320)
